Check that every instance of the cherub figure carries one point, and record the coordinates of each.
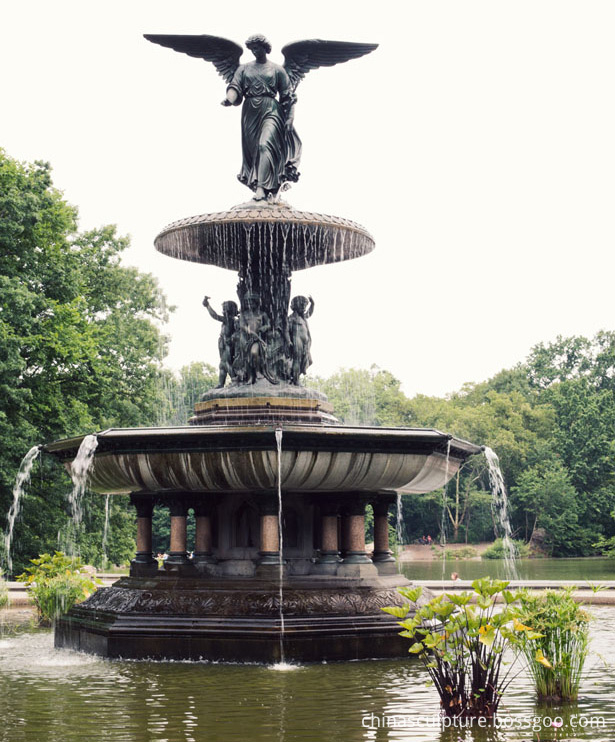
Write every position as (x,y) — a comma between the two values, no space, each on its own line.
(249,342)
(300,337)
(225,341)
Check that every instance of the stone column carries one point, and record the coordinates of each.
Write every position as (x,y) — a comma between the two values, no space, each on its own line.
(329,547)
(269,532)
(382,552)
(144,563)
(204,512)
(353,530)
(177,560)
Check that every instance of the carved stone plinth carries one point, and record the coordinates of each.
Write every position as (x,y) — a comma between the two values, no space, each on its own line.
(237,620)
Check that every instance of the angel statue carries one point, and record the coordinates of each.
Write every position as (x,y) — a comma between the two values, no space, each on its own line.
(270,145)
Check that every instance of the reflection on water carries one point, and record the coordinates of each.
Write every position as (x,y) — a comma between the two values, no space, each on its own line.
(63,696)
(528,569)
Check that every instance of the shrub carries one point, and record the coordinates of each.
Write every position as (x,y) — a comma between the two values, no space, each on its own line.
(461,638)
(465,552)
(56,583)
(556,659)
(497,551)
(4,594)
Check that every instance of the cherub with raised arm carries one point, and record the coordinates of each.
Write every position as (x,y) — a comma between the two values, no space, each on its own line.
(300,337)
(228,318)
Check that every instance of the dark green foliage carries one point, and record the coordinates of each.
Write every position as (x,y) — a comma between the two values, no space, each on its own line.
(552,423)
(55,583)
(362,397)
(183,390)
(497,550)
(80,351)
(161,530)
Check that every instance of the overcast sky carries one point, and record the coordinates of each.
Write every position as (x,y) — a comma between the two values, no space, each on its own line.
(476,144)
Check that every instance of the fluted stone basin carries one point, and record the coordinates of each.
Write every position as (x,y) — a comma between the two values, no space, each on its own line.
(215,459)
(245,595)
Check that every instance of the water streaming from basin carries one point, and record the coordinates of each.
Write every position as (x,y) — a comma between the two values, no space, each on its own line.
(278,441)
(79,472)
(444,506)
(499,506)
(399,524)
(21,482)
(105,537)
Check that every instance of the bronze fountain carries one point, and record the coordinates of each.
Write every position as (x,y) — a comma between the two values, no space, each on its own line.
(277,485)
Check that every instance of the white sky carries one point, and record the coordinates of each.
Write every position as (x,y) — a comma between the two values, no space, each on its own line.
(477,145)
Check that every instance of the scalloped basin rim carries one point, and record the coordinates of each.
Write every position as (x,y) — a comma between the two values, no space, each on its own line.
(264,435)
(314,460)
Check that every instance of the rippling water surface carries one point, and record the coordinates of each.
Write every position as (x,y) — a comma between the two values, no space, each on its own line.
(593,570)
(62,696)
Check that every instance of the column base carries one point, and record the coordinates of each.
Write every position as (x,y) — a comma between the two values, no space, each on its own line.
(178,563)
(383,556)
(386,568)
(203,557)
(356,570)
(141,566)
(329,557)
(267,558)
(324,568)
(356,557)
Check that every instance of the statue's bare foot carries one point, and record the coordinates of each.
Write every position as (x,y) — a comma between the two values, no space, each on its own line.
(260,194)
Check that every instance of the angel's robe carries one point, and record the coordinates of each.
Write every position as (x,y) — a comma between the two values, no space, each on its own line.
(271,152)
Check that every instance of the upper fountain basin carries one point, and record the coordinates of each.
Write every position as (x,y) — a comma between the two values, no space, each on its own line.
(264,232)
(315,458)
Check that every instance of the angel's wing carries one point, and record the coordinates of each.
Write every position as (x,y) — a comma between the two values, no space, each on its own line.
(224,53)
(302,56)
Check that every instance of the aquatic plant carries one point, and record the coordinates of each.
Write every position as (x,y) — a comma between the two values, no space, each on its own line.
(461,639)
(555,660)
(56,583)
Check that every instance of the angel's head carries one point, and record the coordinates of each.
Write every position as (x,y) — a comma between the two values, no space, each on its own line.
(258,41)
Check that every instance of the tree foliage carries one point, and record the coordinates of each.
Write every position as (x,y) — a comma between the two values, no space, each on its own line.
(81,350)
(80,344)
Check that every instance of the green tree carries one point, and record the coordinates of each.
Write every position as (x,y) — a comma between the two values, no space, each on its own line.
(365,397)
(547,498)
(80,344)
(183,390)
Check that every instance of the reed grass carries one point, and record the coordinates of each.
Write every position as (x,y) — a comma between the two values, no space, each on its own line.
(555,660)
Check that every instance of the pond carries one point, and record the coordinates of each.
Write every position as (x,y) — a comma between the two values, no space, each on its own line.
(63,696)
(579,571)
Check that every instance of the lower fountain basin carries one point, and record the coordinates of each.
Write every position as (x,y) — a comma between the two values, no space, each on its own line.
(315,458)
(280,567)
